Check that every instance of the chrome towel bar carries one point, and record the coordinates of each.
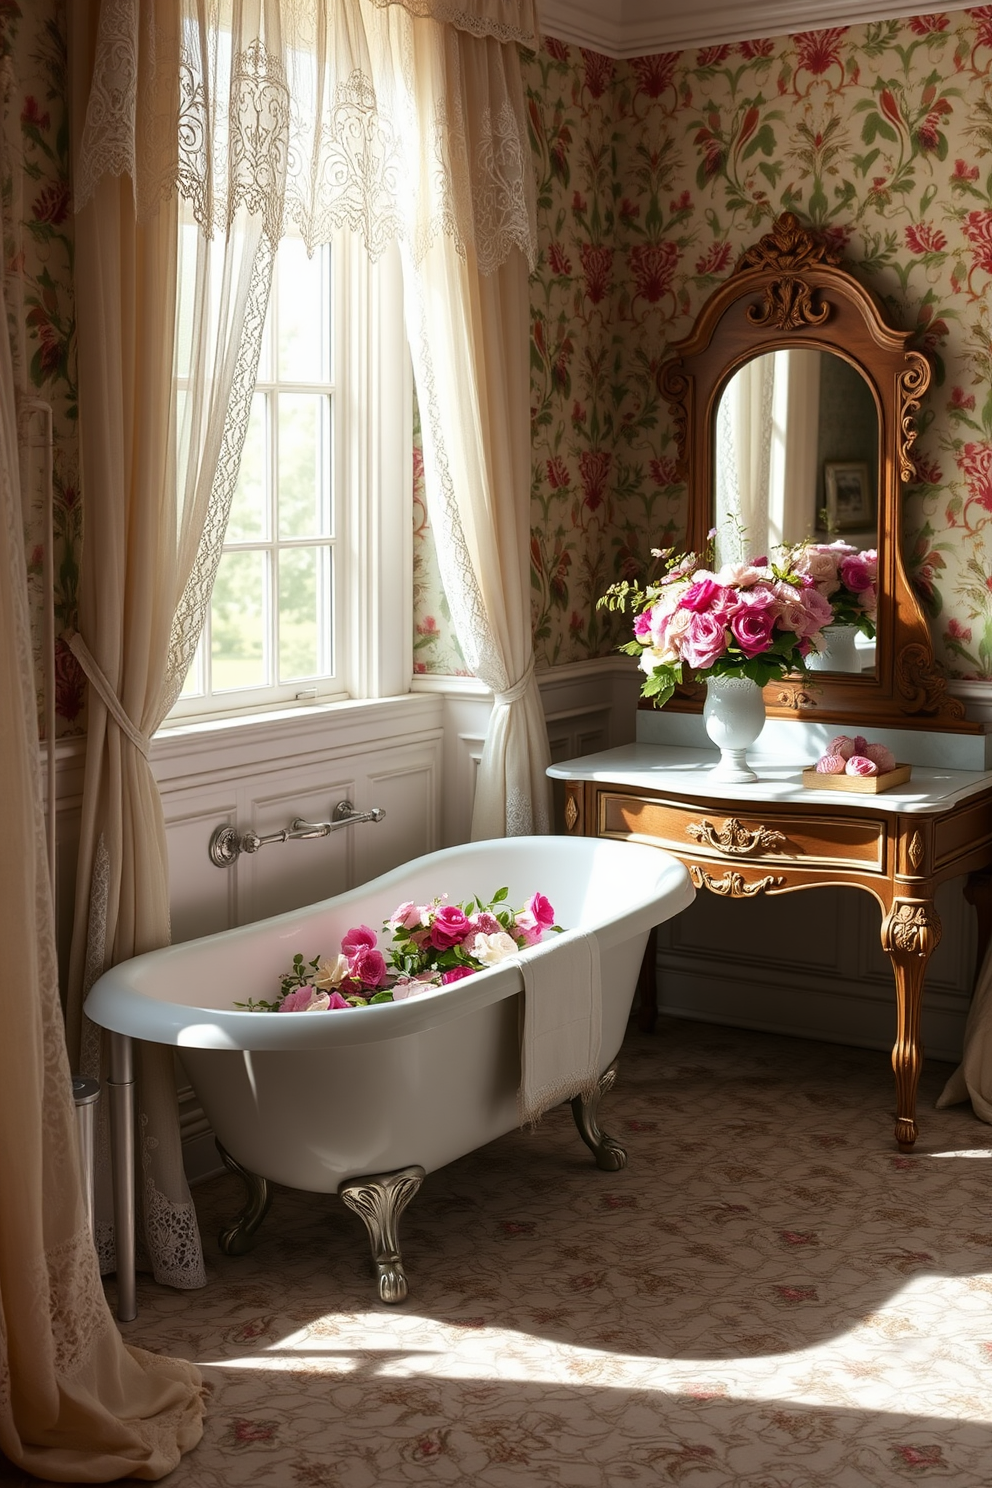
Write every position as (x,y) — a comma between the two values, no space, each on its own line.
(227,843)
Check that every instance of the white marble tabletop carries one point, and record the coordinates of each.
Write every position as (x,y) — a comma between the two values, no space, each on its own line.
(680,771)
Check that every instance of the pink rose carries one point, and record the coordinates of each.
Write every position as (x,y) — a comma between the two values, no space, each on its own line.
(450,927)
(642,625)
(406,915)
(536,916)
(831,764)
(705,640)
(455,974)
(485,922)
(859,764)
(337,1001)
(856,575)
(705,594)
(296,1002)
(361,935)
(817,611)
(758,598)
(367,966)
(752,629)
(842,745)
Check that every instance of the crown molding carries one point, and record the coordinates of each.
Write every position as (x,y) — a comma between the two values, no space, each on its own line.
(636,28)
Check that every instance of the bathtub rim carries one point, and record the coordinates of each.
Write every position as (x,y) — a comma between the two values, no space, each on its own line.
(116,1001)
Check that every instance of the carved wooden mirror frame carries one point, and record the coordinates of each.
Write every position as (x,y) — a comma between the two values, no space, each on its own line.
(790,290)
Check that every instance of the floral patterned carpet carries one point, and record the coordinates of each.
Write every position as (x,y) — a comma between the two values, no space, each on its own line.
(769,1296)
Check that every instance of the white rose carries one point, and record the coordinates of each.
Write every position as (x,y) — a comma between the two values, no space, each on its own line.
(331,973)
(492,949)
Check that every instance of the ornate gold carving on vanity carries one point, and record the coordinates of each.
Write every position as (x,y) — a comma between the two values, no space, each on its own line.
(913,383)
(789,247)
(733,885)
(796,698)
(912,928)
(789,305)
(915,850)
(922,686)
(789,302)
(571,812)
(734,837)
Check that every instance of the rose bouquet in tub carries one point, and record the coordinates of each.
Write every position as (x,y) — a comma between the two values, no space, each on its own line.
(431,945)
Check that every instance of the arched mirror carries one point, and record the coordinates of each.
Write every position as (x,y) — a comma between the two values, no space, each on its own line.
(794,402)
(796,458)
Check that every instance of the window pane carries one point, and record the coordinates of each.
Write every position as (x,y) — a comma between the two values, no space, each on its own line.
(194,685)
(304,465)
(238,622)
(304,613)
(304,313)
(247,521)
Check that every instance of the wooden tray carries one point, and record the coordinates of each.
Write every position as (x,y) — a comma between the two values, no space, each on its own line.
(868,785)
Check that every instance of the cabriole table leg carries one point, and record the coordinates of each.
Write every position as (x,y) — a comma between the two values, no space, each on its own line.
(910,935)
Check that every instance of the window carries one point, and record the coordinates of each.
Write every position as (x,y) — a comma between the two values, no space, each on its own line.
(312,601)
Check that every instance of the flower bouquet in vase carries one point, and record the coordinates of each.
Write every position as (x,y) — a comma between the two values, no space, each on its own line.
(848,578)
(736,629)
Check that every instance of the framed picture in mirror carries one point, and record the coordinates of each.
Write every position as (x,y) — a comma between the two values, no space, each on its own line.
(850,501)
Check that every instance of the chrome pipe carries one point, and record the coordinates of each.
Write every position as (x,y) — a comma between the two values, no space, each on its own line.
(120,1090)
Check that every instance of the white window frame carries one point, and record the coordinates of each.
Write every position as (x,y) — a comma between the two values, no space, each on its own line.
(372,445)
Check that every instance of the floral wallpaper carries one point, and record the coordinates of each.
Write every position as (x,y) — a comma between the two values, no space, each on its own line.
(653,174)
(38,283)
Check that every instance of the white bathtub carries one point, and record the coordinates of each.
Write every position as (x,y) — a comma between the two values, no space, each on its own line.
(365,1102)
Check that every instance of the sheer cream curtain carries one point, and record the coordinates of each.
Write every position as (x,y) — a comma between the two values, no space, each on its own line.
(744,454)
(77,1405)
(153,531)
(397,119)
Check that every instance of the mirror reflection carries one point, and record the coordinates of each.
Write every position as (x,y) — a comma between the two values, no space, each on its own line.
(797,458)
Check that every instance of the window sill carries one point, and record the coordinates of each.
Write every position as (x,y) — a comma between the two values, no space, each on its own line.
(252,741)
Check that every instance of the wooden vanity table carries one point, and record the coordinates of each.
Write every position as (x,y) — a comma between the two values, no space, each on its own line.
(794,316)
(775,837)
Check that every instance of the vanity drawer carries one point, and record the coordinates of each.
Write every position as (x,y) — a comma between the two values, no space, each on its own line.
(855,841)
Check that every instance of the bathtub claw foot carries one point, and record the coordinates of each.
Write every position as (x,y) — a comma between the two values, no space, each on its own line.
(239,1236)
(379,1201)
(609,1155)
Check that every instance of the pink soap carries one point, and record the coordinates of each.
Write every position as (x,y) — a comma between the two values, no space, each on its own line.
(860,764)
(831,764)
(842,745)
(884,758)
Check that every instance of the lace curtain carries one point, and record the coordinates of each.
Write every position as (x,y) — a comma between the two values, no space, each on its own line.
(77,1404)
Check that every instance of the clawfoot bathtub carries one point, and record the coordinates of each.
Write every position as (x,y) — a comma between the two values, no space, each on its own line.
(366,1102)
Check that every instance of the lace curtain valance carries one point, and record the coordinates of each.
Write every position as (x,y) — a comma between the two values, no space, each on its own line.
(306,111)
(507,20)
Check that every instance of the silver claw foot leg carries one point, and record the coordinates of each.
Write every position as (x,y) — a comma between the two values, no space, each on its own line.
(609,1155)
(379,1201)
(239,1236)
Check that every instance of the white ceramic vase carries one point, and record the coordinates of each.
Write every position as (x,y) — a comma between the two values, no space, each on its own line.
(734,715)
(840,653)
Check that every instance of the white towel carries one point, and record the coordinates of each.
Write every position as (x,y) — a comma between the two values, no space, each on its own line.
(562,1024)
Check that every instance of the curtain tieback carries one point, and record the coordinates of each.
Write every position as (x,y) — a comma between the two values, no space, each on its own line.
(108,696)
(515,693)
